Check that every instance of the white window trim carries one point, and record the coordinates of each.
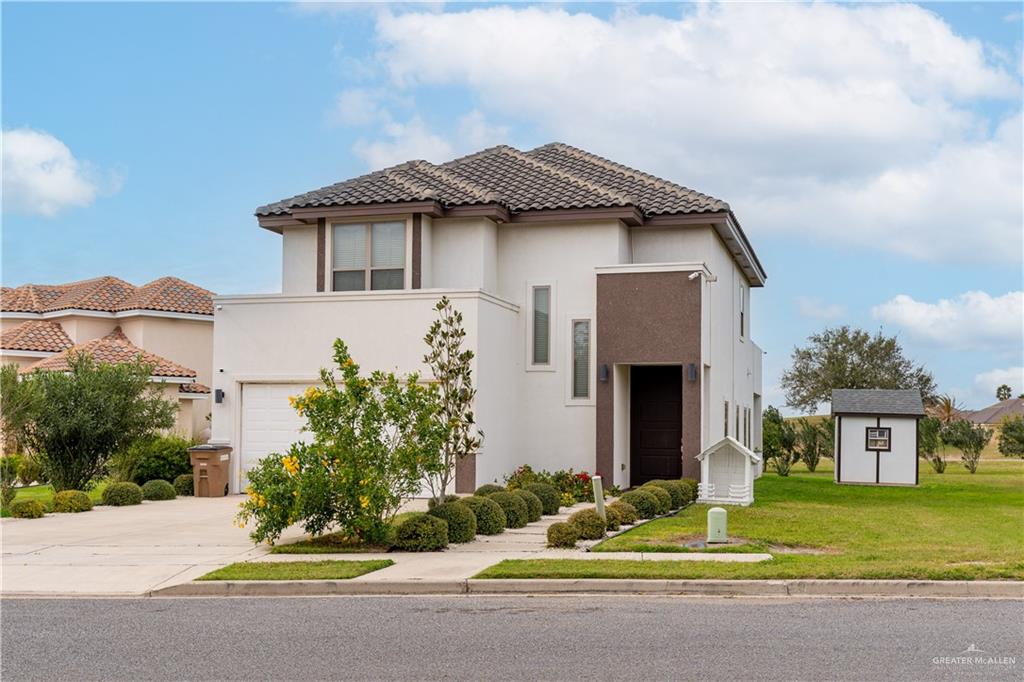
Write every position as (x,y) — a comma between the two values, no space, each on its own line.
(329,251)
(553,327)
(567,323)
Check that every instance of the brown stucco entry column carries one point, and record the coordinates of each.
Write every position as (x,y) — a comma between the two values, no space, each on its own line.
(648,318)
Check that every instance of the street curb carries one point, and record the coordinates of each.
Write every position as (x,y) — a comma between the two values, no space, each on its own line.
(720,588)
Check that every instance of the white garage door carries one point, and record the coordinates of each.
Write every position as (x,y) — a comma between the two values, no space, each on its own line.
(269,423)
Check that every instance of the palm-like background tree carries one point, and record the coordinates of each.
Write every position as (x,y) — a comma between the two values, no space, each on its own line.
(946,409)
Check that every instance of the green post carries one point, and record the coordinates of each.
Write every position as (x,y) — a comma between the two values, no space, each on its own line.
(599,495)
(717,526)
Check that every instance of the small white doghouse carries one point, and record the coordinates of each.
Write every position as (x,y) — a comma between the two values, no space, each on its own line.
(727,472)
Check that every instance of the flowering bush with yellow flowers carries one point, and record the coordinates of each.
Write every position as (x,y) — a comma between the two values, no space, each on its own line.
(373,438)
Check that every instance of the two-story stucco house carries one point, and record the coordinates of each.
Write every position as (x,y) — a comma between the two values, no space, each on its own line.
(609,310)
(167,323)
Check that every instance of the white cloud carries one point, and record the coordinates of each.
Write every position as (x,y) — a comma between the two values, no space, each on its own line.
(812,306)
(41,176)
(403,142)
(986,383)
(852,124)
(476,133)
(973,320)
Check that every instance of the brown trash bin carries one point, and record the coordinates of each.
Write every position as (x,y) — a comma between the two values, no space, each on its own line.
(211,466)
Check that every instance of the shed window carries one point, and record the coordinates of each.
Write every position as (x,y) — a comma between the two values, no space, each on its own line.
(368,256)
(878,438)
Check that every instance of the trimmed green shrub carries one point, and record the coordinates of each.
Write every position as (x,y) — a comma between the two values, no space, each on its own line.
(664,499)
(163,457)
(627,512)
(431,503)
(562,534)
(122,494)
(517,514)
(534,507)
(183,485)
(490,518)
(675,491)
(27,509)
(422,533)
(30,472)
(548,495)
(589,523)
(488,489)
(158,490)
(689,489)
(612,520)
(460,519)
(71,502)
(643,500)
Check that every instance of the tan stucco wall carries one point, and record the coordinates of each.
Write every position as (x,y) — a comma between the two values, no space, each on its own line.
(19,360)
(187,342)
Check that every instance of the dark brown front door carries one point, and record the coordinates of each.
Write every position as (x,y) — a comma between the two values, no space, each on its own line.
(656,422)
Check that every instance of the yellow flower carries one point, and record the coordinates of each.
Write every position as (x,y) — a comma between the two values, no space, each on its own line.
(364,501)
(291,464)
(348,362)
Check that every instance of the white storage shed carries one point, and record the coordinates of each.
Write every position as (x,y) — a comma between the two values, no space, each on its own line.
(876,435)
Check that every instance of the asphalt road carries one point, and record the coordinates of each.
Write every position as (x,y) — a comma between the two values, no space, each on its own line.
(517,638)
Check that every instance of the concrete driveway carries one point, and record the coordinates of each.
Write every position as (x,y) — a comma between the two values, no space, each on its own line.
(123,550)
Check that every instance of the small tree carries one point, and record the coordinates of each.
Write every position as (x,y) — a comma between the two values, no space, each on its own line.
(945,408)
(1011,436)
(827,428)
(929,443)
(810,443)
(88,413)
(969,438)
(849,358)
(19,402)
(1003,393)
(451,366)
(779,441)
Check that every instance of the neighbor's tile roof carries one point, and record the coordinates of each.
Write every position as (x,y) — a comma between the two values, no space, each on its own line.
(36,335)
(108,294)
(554,176)
(193,388)
(114,348)
(993,414)
(877,401)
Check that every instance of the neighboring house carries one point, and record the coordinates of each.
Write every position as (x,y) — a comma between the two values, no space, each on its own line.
(167,323)
(993,415)
(876,435)
(609,310)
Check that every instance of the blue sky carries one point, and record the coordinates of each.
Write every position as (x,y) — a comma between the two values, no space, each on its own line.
(872,153)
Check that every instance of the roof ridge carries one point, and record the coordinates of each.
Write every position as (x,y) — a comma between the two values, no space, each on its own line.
(566,175)
(475,155)
(451,177)
(607,164)
(394,174)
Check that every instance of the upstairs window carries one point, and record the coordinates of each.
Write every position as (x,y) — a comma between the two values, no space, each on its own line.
(541,342)
(368,256)
(580,359)
(743,311)
(725,420)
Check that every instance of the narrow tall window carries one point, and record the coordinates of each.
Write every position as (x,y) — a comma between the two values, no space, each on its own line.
(368,256)
(743,312)
(736,433)
(581,358)
(725,421)
(541,325)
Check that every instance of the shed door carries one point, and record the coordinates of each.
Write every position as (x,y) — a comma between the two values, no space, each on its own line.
(269,423)
(656,422)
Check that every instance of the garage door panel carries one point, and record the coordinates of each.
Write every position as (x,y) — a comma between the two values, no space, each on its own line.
(269,423)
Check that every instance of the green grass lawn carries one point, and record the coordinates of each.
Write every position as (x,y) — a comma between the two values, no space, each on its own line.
(953,526)
(44,493)
(296,570)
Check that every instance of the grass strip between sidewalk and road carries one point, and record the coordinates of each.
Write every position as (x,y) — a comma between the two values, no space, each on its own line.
(296,570)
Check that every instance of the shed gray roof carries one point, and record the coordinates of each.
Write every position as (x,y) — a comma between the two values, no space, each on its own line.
(877,401)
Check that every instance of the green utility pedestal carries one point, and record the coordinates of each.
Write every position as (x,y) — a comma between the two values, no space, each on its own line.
(717,525)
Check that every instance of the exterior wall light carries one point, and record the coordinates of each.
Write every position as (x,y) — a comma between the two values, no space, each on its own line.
(602,374)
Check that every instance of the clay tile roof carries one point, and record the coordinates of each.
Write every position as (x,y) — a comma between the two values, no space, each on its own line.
(114,348)
(193,388)
(37,335)
(108,294)
(554,176)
